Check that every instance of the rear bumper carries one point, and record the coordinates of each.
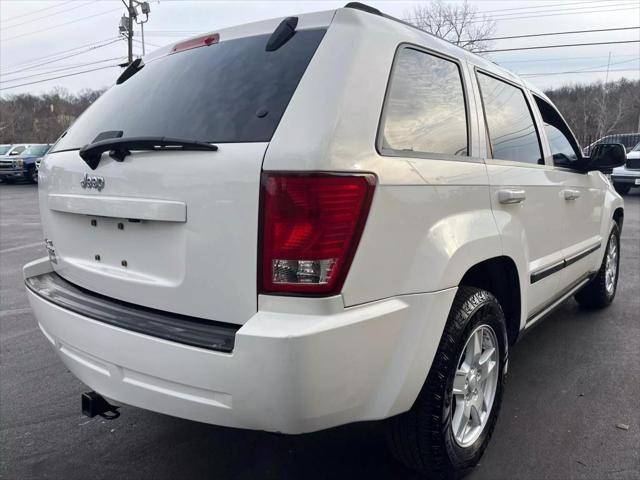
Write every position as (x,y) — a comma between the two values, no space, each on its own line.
(308,366)
(625,175)
(629,179)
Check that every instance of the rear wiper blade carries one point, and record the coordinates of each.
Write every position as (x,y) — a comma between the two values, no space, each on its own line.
(119,148)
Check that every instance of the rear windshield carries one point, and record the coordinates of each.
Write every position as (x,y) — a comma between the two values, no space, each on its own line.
(36,150)
(233,91)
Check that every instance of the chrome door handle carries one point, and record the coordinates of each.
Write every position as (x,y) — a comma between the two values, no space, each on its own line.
(570,194)
(511,196)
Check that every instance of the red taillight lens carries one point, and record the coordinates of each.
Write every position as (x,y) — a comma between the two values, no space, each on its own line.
(311,225)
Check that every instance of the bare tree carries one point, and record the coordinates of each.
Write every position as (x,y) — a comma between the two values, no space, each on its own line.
(598,109)
(26,118)
(460,23)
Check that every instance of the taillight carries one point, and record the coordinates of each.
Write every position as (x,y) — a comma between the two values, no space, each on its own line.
(310,228)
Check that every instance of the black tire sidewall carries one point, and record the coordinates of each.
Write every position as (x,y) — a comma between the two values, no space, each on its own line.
(488,313)
(32,175)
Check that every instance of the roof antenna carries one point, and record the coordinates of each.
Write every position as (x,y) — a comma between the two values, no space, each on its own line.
(282,34)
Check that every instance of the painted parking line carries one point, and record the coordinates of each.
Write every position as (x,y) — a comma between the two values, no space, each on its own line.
(20,247)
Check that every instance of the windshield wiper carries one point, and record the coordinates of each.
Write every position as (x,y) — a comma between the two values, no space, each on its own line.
(119,148)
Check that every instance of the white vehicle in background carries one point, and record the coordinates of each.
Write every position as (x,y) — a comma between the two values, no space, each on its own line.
(318,220)
(628,176)
(13,150)
(4,149)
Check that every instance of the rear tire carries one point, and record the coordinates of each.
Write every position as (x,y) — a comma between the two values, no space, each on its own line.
(622,188)
(424,438)
(600,292)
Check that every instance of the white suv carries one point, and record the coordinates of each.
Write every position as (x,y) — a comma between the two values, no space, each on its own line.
(305,222)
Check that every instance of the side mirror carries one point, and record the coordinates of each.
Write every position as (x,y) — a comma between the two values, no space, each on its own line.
(607,156)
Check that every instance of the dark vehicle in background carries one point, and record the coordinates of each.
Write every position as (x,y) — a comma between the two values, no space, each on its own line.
(628,176)
(629,140)
(23,166)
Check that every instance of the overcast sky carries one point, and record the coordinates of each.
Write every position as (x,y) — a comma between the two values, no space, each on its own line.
(33,34)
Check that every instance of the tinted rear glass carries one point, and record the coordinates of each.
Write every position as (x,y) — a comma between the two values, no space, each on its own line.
(425,107)
(510,123)
(234,91)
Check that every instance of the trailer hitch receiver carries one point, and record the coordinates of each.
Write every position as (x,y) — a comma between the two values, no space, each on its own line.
(95,404)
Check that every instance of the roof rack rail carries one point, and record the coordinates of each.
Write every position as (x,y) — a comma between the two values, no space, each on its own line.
(364,8)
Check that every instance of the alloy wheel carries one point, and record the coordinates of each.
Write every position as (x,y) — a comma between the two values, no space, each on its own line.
(475,385)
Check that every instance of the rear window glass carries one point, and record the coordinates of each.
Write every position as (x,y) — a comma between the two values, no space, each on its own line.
(425,107)
(233,91)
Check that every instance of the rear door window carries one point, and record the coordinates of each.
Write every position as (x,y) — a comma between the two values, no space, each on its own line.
(424,110)
(512,132)
(232,91)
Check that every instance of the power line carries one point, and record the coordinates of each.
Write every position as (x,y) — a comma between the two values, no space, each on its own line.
(563,59)
(537,6)
(561,33)
(591,68)
(47,16)
(60,76)
(61,69)
(147,42)
(36,11)
(577,71)
(607,10)
(58,59)
(554,13)
(51,55)
(60,25)
(561,8)
(557,46)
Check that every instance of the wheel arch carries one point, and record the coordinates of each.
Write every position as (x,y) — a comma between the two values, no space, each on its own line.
(499,275)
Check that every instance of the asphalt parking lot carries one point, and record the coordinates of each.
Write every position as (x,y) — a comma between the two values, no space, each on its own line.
(571,381)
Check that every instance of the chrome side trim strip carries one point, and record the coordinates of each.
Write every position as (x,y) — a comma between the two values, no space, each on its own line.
(556,267)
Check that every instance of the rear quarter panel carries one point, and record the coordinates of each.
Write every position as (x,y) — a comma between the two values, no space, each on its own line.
(430,218)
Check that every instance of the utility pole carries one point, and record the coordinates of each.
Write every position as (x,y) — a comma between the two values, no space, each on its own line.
(126,24)
(130,31)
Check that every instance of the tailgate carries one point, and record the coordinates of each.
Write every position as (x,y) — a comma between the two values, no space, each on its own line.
(175,231)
